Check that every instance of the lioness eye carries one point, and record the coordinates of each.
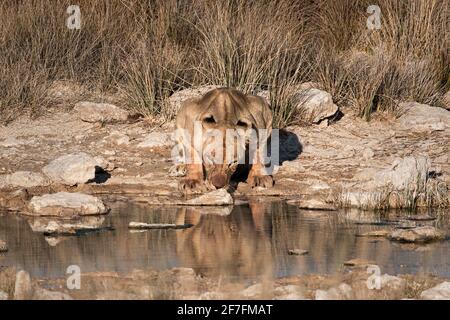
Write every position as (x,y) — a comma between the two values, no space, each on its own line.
(209,119)
(242,124)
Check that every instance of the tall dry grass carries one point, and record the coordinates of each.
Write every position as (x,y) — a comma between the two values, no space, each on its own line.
(142,51)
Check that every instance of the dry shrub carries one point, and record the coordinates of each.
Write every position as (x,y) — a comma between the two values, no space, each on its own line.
(146,50)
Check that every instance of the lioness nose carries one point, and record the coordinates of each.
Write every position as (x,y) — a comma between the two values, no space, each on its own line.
(219,180)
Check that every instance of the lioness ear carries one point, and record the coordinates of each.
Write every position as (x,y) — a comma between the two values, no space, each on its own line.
(260,110)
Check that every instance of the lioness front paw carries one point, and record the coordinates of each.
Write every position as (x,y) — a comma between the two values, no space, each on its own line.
(192,185)
(265,181)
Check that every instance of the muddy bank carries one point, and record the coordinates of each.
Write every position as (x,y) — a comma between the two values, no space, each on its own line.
(347,162)
(185,284)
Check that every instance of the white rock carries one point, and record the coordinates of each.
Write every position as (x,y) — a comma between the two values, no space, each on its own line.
(341,292)
(315,105)
(72,169)
(417,234)
(392,282)
(253,291)
(53,226)
(3,295)
(24,179)
(403,172)
(420,117)
(289,292)
(156,139)
(439,292)
(100,112)
(368,153)
(119,138)
(22,287)
(177,98)
(218,197)
(65,204)
(43,294)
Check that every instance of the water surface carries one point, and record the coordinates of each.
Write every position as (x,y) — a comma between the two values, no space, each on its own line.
(241,243)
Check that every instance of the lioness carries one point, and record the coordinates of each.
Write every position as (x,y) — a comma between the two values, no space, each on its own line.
(220,110)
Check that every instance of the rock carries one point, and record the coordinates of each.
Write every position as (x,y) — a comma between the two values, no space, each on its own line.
(439,292)
(3,246)
(218,197)
(313,204)
(66,204)
(357,262)
(104,164)
(375,233)
(341,292)
(392,282)
(22,288)
(24,179)
(119,138)
(409,173)
(3,295)
(65,227)
(420,117)
(289,292)
(156,140)
(253,291)
(217,211)
(16,200)
(297,252)
(142,225)
(368,153)
(72,169)
(418,234)
(101,112)
(177,98)
(315,105)
(43,294)
(403,173)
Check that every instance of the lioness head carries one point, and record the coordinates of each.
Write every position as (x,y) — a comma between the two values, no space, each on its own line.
(221,124)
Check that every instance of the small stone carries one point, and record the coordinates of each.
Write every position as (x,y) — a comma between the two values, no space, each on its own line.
(156,139)
(297,252)
(439,292)
(25,179)
(375,234)
(313,204)
(357,262)
(368,153)
(22,288)
(253,291)
(72,169)
(43,294)
(101,112)
(289,292)
(422,217)
(66,204)
(392,282)
(417,235)
(219,197)
(315,105)
(341,292)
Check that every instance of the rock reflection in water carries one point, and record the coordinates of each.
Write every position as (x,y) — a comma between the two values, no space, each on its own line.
(242,243)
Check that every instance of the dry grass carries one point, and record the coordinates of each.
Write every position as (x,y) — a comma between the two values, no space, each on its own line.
(143,51)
